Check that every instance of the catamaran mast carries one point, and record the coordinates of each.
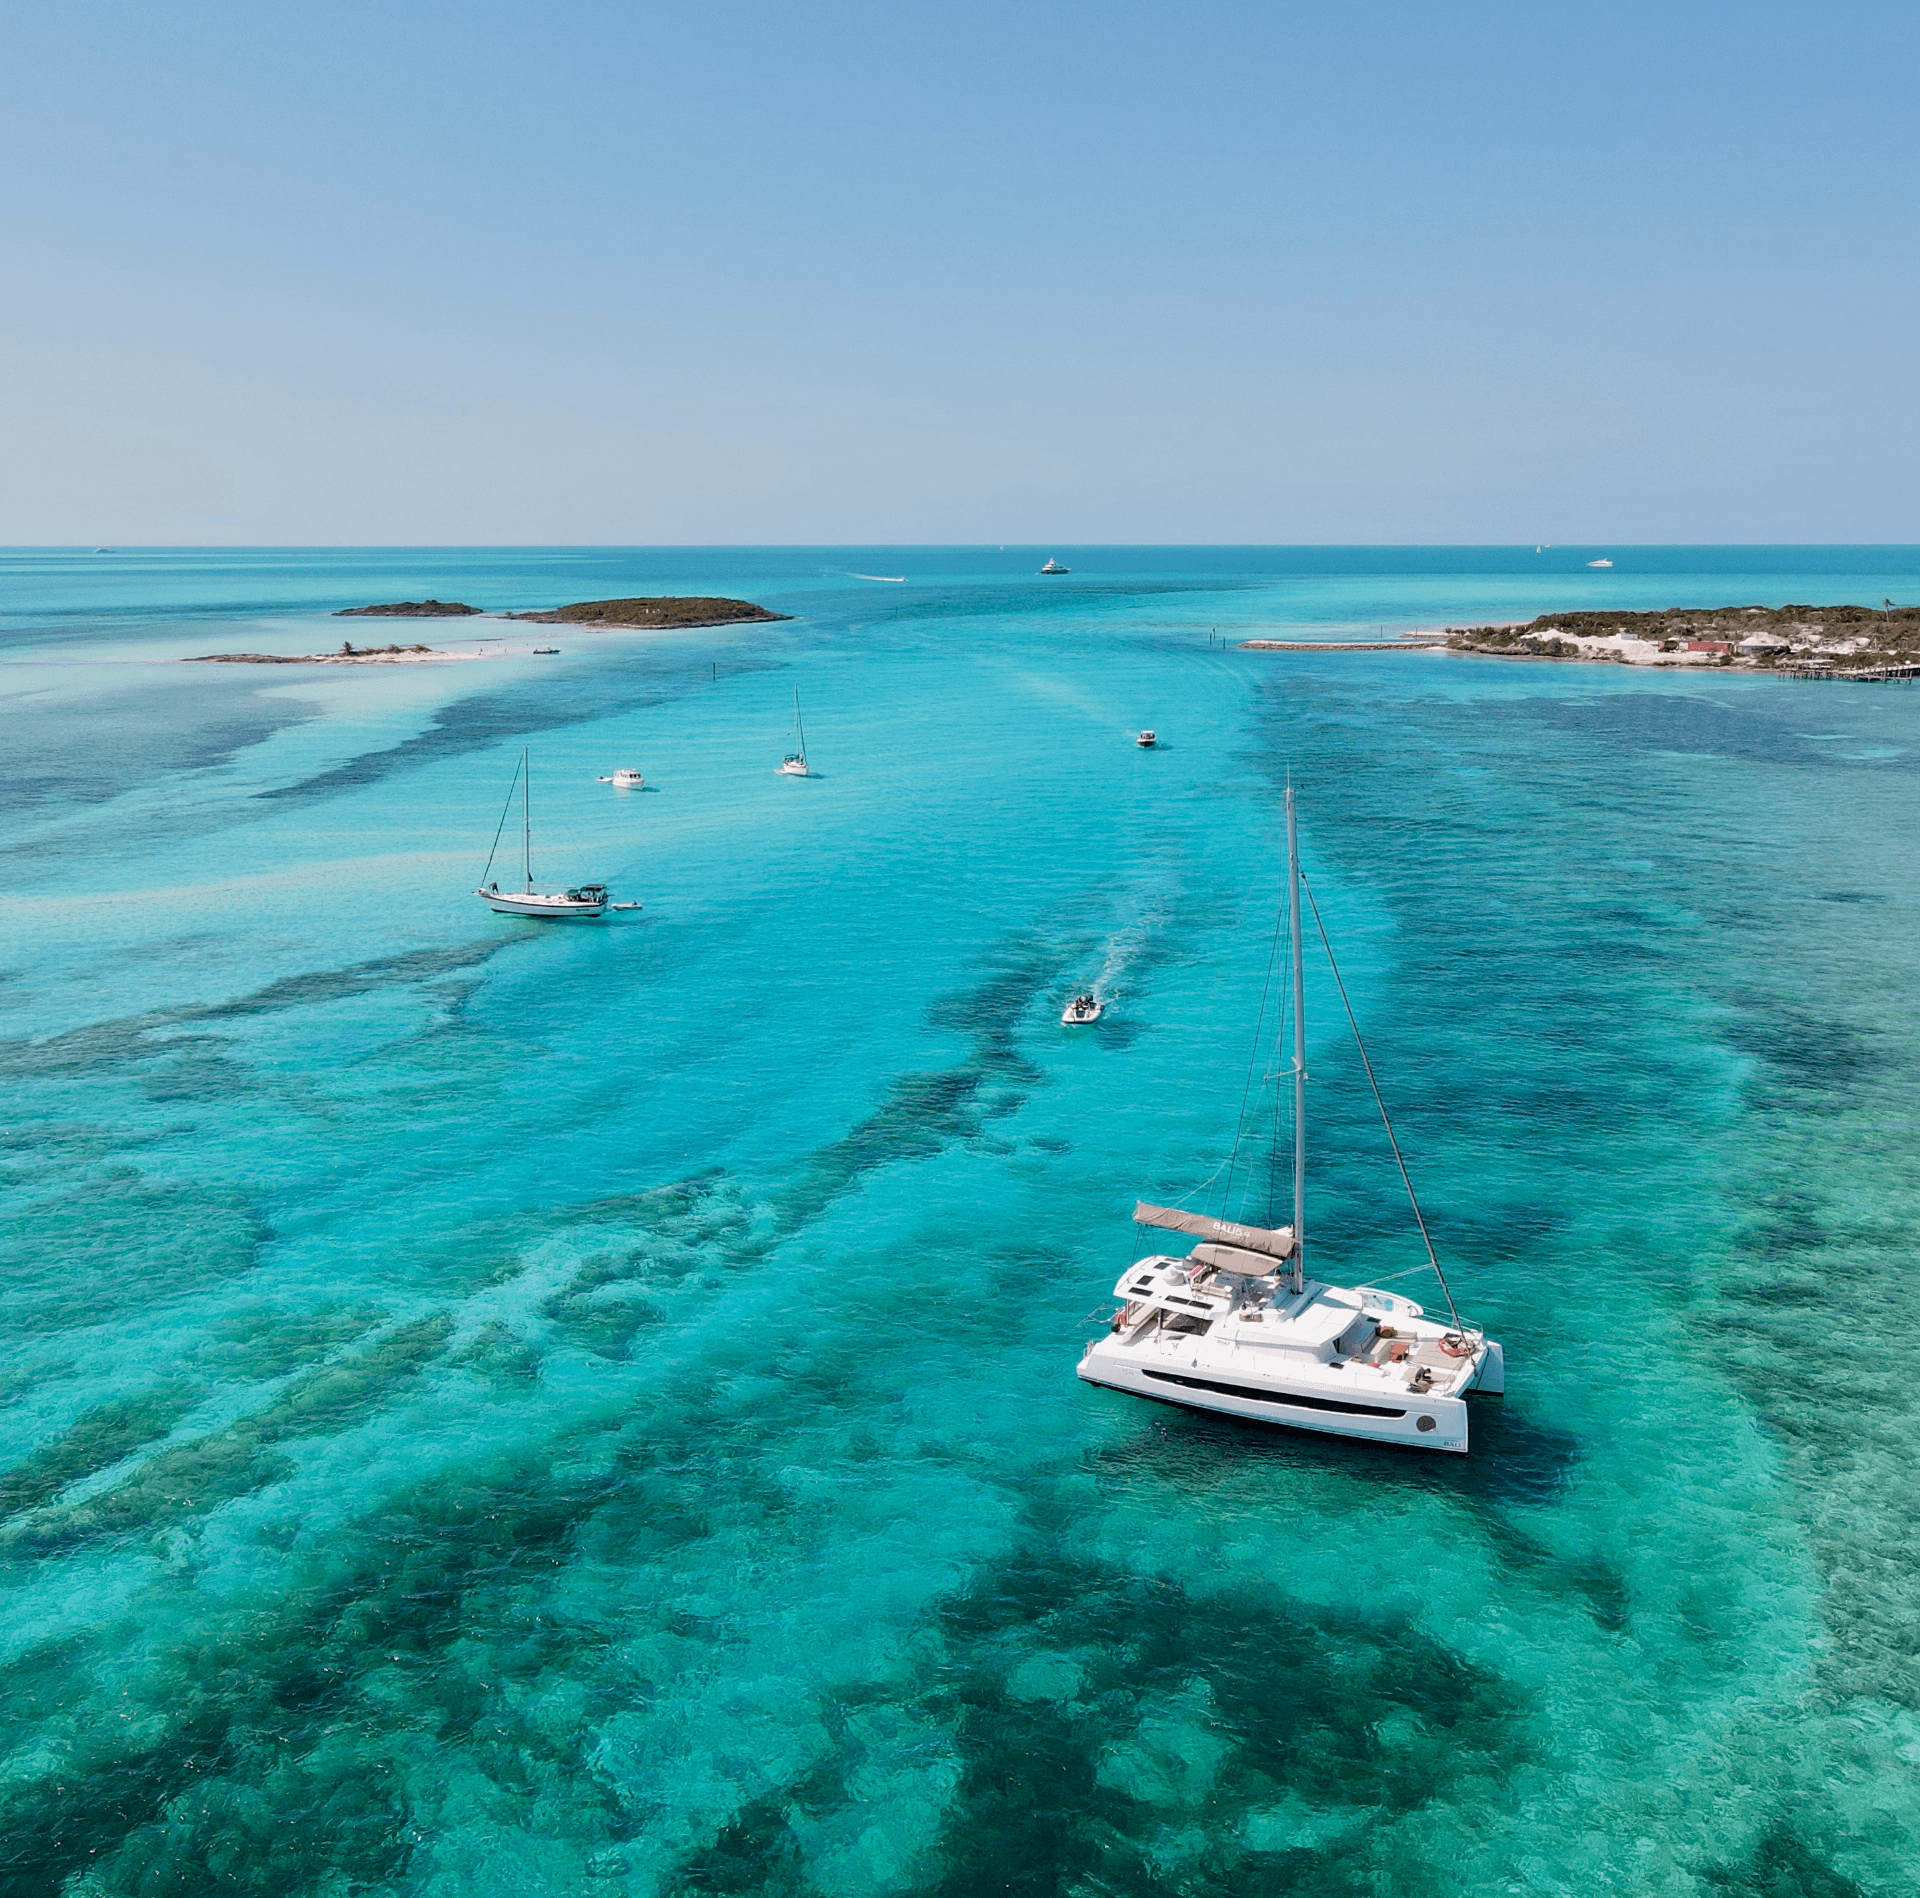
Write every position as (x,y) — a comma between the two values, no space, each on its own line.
(526,823)
(1299,1053)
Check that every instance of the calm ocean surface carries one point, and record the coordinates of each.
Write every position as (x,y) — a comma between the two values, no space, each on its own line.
(491,1408)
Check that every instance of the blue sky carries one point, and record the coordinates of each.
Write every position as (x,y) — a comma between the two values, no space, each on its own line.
(475,273)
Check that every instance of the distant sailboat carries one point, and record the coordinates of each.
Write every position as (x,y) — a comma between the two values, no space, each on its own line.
(794,764)
(582,904)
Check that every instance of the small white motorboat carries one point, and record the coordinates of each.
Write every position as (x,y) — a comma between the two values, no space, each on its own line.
(1053,566)
(626,778)
(584,903)
(1599,563)
(794,764)
(1146,741)
(1081,1011)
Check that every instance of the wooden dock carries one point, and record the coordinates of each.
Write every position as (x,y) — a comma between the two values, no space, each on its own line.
(1877,675)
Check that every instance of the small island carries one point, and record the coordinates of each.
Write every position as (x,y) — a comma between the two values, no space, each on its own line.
(411,609)
(660,611)
(603,615)
(348,655)
(1838,642)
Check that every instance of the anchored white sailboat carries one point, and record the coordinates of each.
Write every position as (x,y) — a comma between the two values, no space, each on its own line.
(583,903)
(1238,1326)
(794,764)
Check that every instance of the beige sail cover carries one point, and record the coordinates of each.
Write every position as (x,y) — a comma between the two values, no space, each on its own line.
(1276,1243)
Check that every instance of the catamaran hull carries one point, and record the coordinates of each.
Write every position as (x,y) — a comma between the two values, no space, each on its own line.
(1234,1393)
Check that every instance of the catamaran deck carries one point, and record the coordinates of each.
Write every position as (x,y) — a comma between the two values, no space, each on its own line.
(1354,1361)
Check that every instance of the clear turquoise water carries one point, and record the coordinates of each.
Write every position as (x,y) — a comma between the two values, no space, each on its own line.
(501,1410)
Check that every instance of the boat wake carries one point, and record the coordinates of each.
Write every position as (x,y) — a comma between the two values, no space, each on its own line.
(892,579)
(1125,947)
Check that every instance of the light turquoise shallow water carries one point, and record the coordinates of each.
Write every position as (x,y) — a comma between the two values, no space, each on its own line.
(493,1410)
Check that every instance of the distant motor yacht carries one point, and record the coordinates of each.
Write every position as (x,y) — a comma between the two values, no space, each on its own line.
(1081,1010)
(545,652)
(794,764)
(1599,563)
(626,778)
(1237,1326)
(585,902)
(1053,566)
(1146,741)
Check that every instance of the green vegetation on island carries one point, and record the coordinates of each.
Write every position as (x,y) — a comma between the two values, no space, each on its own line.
(662,611)
(1843,641)
(411,609)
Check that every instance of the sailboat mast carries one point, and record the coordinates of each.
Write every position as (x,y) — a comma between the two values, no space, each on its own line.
(526,822)
(1299,1053)
(799,728)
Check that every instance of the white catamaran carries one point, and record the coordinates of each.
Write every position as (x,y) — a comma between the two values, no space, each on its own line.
(581,904)
(1238,1326)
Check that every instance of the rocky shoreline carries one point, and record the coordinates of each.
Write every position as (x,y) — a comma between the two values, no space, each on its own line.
(1806,641)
